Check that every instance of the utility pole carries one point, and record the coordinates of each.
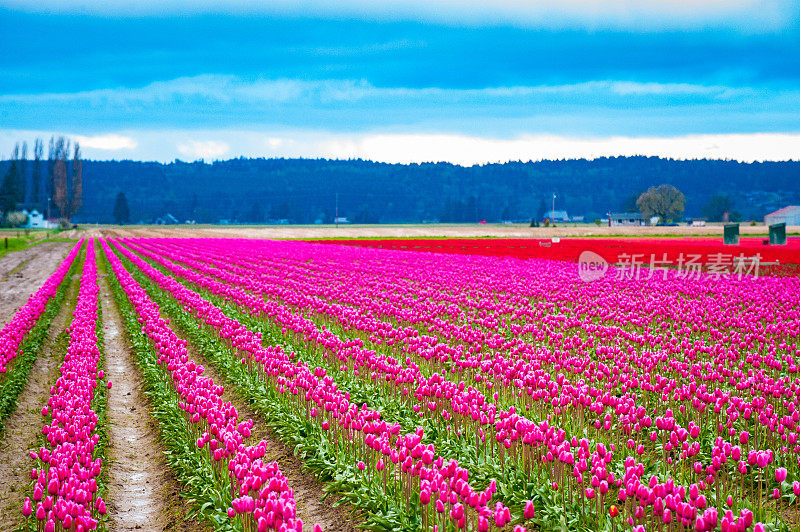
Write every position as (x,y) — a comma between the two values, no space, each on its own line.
(336,217)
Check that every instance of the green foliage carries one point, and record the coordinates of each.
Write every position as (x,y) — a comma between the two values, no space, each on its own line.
(720,207)
(398,193)
(16,218)
(11,188)
(664,201)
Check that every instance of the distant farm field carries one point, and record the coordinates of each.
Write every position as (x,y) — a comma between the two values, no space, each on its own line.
(309,232)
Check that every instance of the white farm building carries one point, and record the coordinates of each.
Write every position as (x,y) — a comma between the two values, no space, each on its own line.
(789,215)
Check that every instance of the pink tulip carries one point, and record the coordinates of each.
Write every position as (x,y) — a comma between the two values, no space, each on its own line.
(529,511)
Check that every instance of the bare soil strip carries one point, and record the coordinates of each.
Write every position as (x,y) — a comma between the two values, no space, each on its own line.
(143,494)
(308,491)
(409,231)
(23,272)
(25,425)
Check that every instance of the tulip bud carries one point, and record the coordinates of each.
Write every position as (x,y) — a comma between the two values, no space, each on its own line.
(530,511)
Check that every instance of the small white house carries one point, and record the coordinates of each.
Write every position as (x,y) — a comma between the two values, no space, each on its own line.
(36,220)
(557,216)
(621,219)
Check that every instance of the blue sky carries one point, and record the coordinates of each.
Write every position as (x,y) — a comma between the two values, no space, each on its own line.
(404,80)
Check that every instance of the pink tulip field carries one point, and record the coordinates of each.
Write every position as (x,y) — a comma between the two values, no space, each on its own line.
(424,391)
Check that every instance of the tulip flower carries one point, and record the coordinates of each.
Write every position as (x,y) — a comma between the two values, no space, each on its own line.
(529,511)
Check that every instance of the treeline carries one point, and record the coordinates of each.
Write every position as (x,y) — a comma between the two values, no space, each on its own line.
(53,186)
(306,190)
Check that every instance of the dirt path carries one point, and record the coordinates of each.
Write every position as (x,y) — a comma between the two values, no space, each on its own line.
(25,424)
(23,272)
(143,492)
(308,491)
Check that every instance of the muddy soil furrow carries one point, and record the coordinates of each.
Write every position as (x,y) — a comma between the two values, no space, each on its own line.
(23,272)
(25,425)
(143,492)
(308,491)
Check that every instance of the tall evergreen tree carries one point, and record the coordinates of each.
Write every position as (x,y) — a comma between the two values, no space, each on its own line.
(121,212)
(11,188)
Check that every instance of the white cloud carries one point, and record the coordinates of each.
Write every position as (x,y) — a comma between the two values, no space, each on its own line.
(226,89)
(741,15)
(206,149)
(466,150)
(110,142)
(166,145)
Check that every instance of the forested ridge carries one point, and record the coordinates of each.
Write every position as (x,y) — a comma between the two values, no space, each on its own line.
(305,190)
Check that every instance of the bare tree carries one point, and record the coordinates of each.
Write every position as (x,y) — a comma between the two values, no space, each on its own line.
(76,198)
(38,150)
(60,197)
(65,177)
(51,176)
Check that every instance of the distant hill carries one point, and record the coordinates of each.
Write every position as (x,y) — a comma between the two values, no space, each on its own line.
(304,190)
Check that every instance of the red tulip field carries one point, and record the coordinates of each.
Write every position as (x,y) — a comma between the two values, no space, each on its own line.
(776,260)
(421,385)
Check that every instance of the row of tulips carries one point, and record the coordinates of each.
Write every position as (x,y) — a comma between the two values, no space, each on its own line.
(512,411)
(26,333)
(12,335)
(65,479)
(415,467)
(359,309)
(260,498)
(365,302)
(408,422)
(321,308)
(722,451)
